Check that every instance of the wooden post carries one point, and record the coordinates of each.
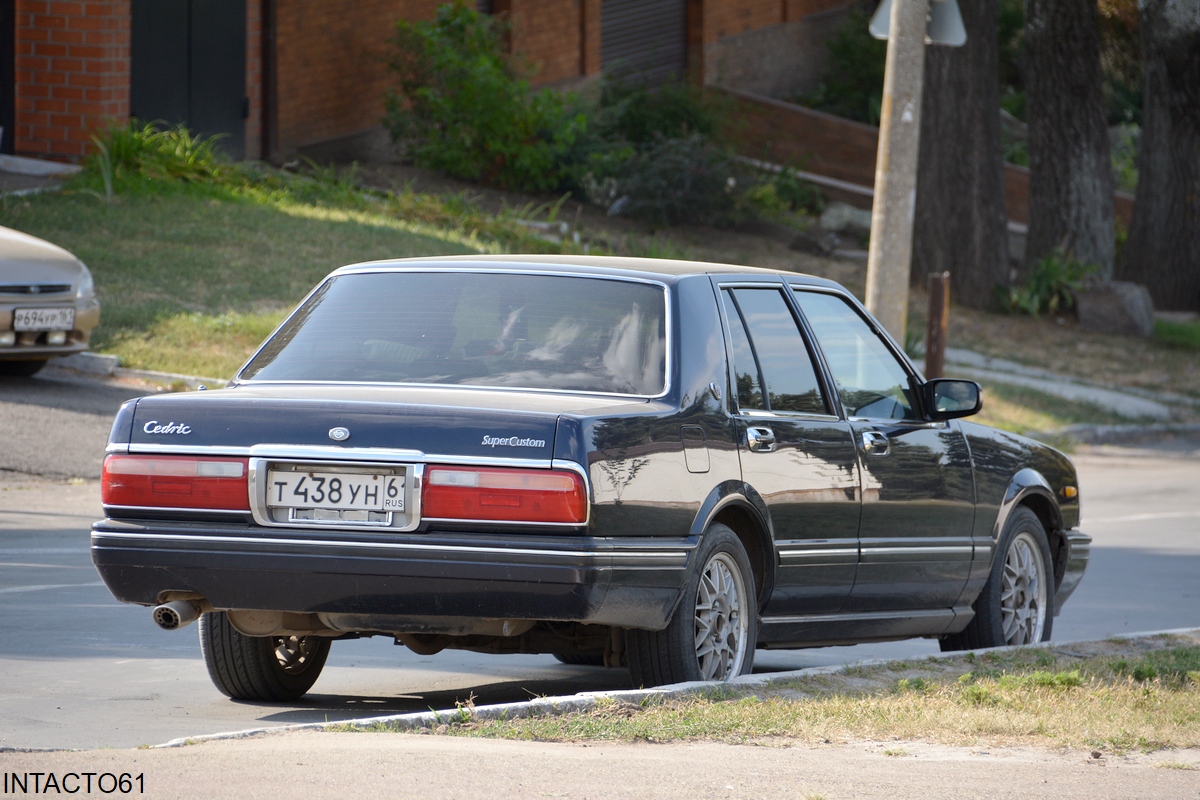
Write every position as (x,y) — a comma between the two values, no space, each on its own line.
(938,325)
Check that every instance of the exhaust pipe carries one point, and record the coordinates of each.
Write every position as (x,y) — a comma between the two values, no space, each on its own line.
(176,614)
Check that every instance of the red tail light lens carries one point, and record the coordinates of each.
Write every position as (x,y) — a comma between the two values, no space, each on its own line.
(175,482)
(514,495)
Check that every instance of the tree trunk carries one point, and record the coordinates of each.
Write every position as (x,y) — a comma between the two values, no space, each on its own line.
(1070,169)
(961,225)
(1163,249)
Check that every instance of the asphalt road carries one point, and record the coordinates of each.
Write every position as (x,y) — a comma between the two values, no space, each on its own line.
(83,671)
(55,425)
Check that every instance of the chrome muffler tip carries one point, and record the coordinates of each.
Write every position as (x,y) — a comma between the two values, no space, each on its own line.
(176,614)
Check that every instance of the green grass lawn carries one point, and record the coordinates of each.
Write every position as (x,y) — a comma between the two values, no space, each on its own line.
(192,277)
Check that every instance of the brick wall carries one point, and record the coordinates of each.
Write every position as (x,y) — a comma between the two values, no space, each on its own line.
(329,77)
(782,61)
(730,17)
(72,74)
(548,34)
(799,9)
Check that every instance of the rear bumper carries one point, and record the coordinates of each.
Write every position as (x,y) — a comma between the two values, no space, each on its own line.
(632,583)
(1079,550)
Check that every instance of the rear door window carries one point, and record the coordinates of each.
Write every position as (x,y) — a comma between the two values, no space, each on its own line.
(769,351)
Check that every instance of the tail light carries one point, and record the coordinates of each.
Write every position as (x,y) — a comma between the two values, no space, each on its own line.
(516,495)
(175,482)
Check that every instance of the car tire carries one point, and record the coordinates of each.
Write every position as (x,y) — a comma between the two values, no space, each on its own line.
(1016,605)
(267,669)
(22,369)
(714,630)
(581,659)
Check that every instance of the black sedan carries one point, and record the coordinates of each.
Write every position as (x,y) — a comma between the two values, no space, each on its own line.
(655,464)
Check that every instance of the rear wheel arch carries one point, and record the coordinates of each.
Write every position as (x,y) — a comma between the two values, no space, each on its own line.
(713,632)
(740,514)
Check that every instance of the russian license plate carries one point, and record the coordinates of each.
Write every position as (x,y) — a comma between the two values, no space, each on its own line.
(43,319)
(335,491)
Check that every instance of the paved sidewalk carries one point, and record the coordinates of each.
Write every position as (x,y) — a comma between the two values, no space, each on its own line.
(339,765)
(1132,404)
(20,175)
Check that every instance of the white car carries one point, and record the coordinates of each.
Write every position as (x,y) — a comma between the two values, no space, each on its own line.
(48,304)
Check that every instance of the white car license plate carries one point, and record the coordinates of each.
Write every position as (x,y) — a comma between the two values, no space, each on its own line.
(43,319)
(335,491)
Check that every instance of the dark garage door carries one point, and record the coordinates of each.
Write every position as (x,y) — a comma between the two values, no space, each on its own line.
(189,66)
(644,41)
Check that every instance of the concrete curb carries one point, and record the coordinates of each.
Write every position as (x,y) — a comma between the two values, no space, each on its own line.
(36,167)
(585,701)
(1118,434)
(1002,369)
(110,366)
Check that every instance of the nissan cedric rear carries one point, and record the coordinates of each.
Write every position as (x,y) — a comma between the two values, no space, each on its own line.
(621,462)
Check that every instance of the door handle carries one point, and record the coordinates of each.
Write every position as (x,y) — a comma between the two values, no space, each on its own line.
(760,440)
(875,443)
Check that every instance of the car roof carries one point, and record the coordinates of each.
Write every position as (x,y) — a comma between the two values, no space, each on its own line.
(663,269)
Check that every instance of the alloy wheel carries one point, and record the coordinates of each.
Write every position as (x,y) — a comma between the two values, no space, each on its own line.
(1023,592)
(721,623)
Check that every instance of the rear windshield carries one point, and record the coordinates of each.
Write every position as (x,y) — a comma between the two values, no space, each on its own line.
(479,329)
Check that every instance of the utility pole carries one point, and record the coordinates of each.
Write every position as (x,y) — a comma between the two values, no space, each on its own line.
(890,253)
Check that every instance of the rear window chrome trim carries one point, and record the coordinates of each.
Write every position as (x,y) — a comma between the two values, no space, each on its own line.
(371,268)
(476,386)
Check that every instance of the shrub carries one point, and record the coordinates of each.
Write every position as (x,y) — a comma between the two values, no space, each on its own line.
(148,150)
(689,179)
(1049,287)
(638,114)
(853,85)
(798,194)
(459,106)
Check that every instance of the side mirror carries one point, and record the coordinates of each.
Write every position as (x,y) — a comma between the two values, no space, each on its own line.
(949,399)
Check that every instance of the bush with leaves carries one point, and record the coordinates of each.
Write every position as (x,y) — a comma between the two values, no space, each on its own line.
(640,115)
(652,153)
(151,151)
(459,107)
(853,85)
(669,181)
(1049,287)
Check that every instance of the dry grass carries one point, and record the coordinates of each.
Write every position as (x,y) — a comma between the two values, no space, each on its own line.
(1065,348)
(1114,696)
